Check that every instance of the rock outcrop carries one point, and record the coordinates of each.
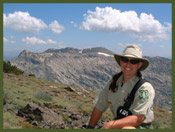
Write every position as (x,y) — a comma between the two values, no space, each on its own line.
(58,118)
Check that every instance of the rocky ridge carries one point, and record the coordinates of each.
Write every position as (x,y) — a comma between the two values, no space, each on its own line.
(91,69)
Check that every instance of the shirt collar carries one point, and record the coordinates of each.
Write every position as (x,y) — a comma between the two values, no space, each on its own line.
(133,80)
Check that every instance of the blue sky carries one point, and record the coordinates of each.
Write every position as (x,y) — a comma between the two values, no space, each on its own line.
(37,27)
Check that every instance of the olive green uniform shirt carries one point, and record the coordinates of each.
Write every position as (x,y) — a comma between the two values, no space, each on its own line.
(142,104)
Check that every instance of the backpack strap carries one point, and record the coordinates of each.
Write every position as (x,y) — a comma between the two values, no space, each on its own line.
(131,96)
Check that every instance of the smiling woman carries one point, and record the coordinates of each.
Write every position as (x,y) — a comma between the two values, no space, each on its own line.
(37,27)
(129,97)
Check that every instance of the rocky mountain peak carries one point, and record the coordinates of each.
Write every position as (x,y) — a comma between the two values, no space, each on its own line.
(91,69)
(24,53)
(96,50)
(63,50)
(75,50)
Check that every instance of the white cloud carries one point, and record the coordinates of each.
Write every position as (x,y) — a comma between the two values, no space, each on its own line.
(169,26)
(34,41)
(144,28)
(162,46)
(23,22)
(5,40)
(126,44)
(50,41)
(56,27)
(73,23)
(121,44)
(12,37)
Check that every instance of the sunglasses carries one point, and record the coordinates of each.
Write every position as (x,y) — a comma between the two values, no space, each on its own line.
(126,60)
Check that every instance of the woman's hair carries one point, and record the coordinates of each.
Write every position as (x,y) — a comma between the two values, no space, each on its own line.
(113,86)
(139,75)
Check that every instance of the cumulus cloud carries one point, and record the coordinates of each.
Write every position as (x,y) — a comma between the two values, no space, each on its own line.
(143,27)
(34,41)
(74,24)
(23,22)
(50,41)
(5,40)
(56,27)
(168,26)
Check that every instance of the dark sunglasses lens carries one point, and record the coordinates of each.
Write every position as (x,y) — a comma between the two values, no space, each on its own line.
(131,61)
(124,59)
(134,61)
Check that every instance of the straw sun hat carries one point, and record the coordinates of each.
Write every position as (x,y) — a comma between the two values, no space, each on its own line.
(133,51)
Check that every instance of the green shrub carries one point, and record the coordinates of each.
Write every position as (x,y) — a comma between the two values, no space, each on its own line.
(8,68)
(43,96)
(157,124)
(65,117)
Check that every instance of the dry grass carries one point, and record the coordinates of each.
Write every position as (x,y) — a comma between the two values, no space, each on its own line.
(22,89)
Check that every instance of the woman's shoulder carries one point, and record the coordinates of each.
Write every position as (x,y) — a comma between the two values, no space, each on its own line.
(147,86)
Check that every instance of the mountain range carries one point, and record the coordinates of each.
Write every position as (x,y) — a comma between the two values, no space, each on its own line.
(92,68)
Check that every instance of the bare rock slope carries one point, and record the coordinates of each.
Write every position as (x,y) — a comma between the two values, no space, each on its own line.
(91,69)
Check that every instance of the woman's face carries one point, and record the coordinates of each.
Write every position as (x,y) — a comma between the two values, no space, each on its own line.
(129,67)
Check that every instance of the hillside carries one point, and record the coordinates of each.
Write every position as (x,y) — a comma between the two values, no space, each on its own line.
(91,69)
(30,102)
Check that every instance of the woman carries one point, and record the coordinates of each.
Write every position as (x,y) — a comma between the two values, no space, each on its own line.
(141,111)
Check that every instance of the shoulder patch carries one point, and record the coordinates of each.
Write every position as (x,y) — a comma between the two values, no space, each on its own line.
(143,95)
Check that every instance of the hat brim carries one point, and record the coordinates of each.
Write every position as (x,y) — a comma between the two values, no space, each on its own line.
(144,60)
